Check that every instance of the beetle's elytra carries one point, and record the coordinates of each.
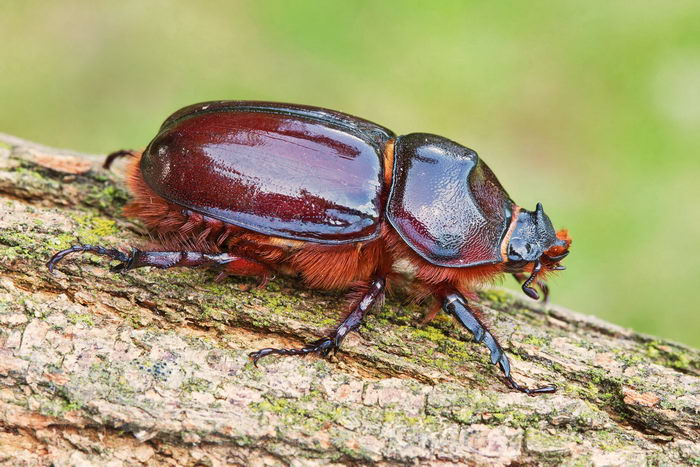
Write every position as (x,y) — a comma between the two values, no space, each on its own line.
(250,188)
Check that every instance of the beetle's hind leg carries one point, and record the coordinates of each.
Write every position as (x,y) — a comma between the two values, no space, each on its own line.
(454,304)
(329,344)
(117,155)
(123,258)
(227,263)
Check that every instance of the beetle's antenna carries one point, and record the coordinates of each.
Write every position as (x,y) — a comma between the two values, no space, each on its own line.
(529,291)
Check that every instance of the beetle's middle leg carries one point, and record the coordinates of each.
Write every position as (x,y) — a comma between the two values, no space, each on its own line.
(227,263)
(329,344)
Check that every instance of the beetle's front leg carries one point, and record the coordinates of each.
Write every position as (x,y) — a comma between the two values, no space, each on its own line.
(332,343)
(456,305)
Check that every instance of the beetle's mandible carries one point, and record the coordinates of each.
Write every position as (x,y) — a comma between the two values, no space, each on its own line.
(251,188)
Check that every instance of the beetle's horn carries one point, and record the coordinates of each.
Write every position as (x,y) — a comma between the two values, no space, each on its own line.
(539,214)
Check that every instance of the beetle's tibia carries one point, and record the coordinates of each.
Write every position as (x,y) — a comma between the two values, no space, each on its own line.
(455,305)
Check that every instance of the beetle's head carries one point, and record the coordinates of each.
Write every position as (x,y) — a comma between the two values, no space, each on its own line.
(535,247)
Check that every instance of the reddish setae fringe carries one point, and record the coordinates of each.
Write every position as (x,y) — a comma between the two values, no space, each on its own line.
(563,235)
(436,277)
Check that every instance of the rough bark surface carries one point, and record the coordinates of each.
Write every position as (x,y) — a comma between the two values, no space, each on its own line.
(151,366)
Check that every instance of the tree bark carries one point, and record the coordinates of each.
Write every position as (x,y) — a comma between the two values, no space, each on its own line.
(151,366)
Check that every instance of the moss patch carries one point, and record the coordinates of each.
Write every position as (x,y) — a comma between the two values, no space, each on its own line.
(672,356)
(109,198)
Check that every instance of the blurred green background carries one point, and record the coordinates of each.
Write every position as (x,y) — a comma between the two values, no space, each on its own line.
(592,108)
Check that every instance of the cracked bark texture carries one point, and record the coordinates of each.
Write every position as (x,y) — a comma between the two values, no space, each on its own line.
(151,367)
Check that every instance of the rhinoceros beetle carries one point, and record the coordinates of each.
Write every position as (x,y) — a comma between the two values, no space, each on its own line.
(252,188)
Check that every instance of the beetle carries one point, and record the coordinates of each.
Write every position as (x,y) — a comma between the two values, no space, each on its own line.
(253,188)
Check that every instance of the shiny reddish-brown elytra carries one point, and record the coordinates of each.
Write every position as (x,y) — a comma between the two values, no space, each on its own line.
(250,188)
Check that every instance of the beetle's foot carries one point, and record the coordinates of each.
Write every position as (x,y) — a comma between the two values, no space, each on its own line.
(504,363)
(550,388)
(498,356)
(116,155)
(322,346)
(352,321)
(123,258)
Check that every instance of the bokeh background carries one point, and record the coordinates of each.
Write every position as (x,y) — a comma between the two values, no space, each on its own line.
(592,108)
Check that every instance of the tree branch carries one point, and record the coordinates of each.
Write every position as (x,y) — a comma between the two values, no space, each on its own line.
(151,366)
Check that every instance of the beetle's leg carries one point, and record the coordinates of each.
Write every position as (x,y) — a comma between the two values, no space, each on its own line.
(99,250)
(330,344)
(455,305)
(230,264)
(116,155)
(522,278)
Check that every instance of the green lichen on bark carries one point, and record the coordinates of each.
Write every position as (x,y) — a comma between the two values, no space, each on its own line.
(152,366)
